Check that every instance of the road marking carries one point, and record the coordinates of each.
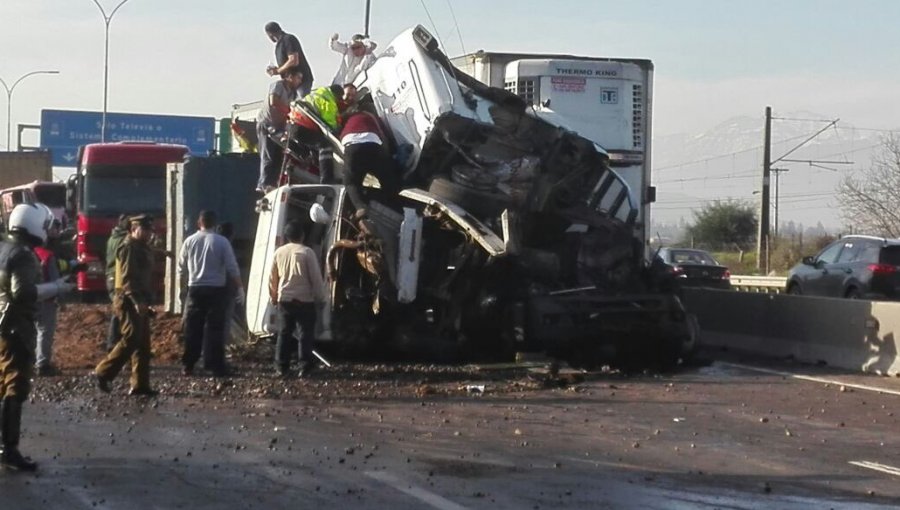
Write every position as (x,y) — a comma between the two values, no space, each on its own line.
(429,498)
(810,378)
(884,468)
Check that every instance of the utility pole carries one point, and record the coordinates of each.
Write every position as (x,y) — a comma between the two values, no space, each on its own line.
(777,172)
(762,241)
(368,11)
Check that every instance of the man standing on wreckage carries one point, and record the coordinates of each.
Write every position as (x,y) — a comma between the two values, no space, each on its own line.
(19,295)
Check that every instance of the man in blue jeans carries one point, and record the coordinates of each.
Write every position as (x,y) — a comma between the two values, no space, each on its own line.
(295,285)
(208,260)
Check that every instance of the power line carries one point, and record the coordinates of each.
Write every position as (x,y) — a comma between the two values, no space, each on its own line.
(852,128)
(802,120)
(802,196)
(731,154)
(804,142)
(458,33)
(739,175)
(836,127)
(433,26)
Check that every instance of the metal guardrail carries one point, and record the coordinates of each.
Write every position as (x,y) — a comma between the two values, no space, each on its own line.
(770,284)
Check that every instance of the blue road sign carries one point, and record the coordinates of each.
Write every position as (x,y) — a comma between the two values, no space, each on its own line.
(64,131)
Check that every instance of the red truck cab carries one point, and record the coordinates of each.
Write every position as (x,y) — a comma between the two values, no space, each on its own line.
(114,179)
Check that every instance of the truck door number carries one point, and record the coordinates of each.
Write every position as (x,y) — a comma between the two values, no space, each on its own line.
(397,92)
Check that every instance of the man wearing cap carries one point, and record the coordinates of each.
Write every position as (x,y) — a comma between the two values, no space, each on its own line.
(357,57)
(133,295)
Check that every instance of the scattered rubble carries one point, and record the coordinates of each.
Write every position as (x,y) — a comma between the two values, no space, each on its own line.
(80,346)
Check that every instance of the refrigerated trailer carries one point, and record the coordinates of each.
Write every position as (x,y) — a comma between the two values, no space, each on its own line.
(606,100)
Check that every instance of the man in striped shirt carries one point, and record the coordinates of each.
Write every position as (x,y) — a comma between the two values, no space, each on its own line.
(295,284)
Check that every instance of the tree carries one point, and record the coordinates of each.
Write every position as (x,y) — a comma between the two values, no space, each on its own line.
(870,200)
(724,224)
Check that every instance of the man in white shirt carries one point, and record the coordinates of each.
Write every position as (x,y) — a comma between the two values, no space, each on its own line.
(357,57)
(295,284)
(209,263)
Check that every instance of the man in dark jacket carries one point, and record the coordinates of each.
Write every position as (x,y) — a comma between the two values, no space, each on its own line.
(134,293)
(19,295)
(116,237)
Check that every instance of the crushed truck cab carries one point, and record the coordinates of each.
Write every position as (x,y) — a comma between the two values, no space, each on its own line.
(512,233)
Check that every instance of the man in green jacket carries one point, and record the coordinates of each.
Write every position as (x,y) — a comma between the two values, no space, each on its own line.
(116,237)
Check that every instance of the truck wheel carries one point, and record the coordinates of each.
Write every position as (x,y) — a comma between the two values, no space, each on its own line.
(482,204)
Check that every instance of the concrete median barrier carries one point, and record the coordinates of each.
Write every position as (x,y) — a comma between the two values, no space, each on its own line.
(852,334)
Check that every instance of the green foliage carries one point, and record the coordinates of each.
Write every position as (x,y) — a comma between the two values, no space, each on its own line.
(736,262)
(723,225)
(785,254)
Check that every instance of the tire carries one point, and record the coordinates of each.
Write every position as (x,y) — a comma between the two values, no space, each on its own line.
(482,204)
(853,293)
(794,290)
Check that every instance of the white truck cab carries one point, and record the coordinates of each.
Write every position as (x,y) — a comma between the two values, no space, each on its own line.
(275,210)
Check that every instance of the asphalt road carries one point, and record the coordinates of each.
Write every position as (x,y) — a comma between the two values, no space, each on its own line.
(721,436)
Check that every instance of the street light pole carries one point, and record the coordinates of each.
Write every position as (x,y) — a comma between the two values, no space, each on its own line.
(9,93)
(106,20)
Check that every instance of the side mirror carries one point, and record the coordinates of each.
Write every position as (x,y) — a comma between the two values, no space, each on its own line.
(262,205)
(809,261)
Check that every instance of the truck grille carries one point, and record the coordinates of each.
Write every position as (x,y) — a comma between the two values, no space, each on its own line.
(527,89)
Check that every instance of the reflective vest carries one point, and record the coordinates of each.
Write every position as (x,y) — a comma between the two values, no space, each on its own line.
(325,104)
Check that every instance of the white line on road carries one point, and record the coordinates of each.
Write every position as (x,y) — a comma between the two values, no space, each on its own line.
(810,378)
(429,498)
(884,468)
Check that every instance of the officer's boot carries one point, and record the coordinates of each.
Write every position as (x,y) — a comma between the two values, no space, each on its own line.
(11,424)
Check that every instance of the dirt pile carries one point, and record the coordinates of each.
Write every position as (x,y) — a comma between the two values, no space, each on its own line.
(82,330)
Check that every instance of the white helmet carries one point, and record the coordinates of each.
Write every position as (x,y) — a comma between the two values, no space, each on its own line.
(319,215)
(49,214)
(31,219)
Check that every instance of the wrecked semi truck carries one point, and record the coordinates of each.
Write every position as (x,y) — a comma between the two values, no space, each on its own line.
(513,232)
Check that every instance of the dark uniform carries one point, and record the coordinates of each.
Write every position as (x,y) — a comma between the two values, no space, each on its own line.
(133,295)
(116,238)
(19,276)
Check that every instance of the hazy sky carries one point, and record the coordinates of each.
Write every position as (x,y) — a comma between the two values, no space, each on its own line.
(714,59)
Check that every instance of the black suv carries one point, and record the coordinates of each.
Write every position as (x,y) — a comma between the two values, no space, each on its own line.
(856,267)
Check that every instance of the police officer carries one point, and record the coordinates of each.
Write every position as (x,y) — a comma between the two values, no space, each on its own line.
(133,286)
(116,237)
(19,295)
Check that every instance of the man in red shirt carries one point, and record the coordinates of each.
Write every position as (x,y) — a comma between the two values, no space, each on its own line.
(365,152)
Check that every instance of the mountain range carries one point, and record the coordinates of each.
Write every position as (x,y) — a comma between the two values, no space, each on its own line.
(725,163)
